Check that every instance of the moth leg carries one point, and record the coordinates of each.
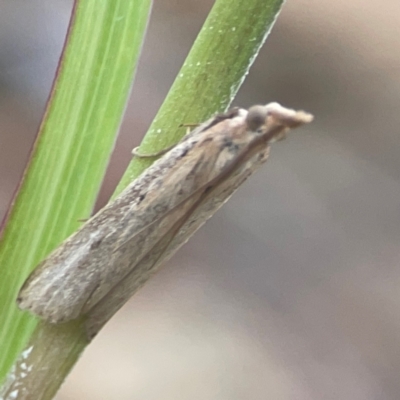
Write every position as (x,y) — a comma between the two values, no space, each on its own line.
(189,127)
(135,152)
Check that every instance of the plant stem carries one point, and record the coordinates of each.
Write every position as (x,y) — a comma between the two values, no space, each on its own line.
(212,73)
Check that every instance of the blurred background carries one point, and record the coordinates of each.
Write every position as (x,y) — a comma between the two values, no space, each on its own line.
(292,290)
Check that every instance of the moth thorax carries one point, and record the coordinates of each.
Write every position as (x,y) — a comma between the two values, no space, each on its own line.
(256,117)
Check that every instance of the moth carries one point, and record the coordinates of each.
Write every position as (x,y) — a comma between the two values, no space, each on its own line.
(97,269)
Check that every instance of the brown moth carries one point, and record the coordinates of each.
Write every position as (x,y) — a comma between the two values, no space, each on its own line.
(96,270)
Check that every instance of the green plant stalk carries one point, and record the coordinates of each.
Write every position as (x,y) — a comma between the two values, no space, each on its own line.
(71,151)
(33,376)
(208,81)
(212,74)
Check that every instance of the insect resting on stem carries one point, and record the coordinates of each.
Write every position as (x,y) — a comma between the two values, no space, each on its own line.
(97,269)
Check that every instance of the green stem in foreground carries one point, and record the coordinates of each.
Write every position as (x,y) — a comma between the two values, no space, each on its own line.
(49,342)
(212,74)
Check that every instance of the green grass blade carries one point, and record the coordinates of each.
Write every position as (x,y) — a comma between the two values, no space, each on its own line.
(72,149)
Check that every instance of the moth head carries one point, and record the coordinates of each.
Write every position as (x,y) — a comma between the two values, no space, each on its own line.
(256,117)
(260,118)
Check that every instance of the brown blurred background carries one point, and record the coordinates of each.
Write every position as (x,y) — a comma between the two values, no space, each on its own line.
(292,291)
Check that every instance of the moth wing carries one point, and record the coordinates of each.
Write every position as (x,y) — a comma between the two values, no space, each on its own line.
(168,199)
(79,273)
(203,204)
(84,268)
(54,289)
(99,312)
